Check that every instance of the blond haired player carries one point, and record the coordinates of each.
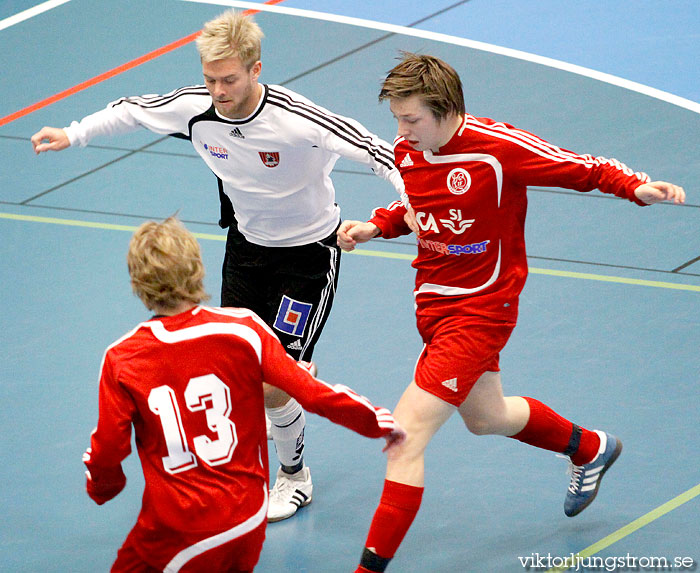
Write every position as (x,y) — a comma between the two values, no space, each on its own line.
(272,151)
(189,380)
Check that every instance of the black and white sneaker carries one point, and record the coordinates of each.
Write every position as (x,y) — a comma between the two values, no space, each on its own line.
(290,492)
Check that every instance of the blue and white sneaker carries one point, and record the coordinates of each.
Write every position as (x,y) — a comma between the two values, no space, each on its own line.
(585,479)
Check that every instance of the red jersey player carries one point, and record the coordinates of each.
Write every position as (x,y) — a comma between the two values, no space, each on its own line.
(189,380)
(466,180)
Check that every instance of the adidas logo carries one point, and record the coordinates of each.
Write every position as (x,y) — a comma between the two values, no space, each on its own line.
(406,162)
(235,132)
(451,384)
(299,498)
(296,345)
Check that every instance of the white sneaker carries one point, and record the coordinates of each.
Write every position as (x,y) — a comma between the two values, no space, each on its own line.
(291,491)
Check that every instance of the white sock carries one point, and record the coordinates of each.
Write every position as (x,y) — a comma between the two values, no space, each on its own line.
(287,431)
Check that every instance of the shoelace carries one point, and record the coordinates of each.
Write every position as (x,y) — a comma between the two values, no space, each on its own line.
(576,473)
(281,487)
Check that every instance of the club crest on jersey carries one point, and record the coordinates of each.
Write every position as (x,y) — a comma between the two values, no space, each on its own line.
(459,181)
(269,158)
(292,316)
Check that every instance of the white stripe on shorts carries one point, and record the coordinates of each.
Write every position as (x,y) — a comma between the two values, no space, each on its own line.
(181,559)
(321,312)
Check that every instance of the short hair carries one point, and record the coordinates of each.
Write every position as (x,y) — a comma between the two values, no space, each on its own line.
(230,35)
(165,265)
(433,80)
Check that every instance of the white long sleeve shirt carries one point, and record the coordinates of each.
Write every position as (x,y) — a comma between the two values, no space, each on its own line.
(273,165)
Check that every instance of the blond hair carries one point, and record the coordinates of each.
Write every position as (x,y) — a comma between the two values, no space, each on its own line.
(165,265)
(230,35)
(433,80)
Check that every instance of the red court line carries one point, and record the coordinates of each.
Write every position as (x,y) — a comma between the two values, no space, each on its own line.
(111,73)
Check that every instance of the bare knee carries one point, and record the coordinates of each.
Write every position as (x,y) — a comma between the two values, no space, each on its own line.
(501,422)
(486,411)
(481,426)
(484,421)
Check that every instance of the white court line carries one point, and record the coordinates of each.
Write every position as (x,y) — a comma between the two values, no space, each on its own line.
(30,13)
(483,46)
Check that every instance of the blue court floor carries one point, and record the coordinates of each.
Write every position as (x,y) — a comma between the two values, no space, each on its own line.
(609,332)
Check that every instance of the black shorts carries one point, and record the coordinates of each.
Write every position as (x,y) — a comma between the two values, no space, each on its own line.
(290,288)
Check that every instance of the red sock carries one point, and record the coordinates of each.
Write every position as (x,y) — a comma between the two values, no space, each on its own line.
(398,507)
(548,430)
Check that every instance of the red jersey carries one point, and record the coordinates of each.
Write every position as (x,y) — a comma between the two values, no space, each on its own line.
(470,203)
(191,386)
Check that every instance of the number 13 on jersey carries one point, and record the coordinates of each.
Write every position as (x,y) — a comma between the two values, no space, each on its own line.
(209,395)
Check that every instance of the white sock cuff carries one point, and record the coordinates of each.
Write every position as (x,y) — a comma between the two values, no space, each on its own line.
(286,414)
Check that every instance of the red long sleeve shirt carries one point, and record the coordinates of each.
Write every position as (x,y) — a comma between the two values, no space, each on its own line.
(470,202)
(191,387)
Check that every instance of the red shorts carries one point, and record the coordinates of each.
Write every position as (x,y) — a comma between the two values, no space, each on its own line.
(237,556)
(457,351)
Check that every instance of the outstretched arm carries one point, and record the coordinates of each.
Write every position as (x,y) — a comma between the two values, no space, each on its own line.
(50,139)
(352,232)
(658,191)
(396,220)
(336,402)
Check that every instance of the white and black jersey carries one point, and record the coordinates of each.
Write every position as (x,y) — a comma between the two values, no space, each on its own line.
(274,165)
